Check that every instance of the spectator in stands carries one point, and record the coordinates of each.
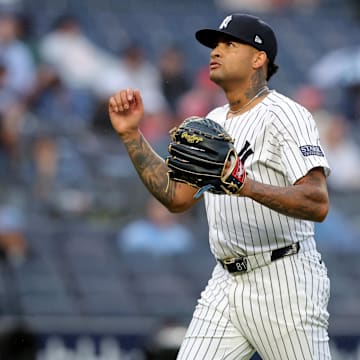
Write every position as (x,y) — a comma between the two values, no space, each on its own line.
(156,127)
(134,69)
(342,153)
(45,166)
(77,60)
(201,98)
(158,233)
(250,5)
(17,76)
(11,111)
(263,5)
(13,244)
(174,77)
(16,56)
(313,99)
(351,102)
(56,105)
(338,232)
(72,53)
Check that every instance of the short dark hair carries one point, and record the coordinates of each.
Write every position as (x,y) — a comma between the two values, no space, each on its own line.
(271,70)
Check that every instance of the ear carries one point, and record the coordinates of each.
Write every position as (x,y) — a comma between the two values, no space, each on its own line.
(259,59)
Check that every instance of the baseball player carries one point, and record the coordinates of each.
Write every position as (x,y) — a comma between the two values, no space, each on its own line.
(269,291)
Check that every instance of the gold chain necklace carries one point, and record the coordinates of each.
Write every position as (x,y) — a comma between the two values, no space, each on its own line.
(260,92)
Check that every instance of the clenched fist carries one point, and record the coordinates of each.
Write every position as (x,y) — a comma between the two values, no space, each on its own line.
(126,110)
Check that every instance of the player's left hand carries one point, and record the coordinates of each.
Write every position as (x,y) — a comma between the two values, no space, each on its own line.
(203,155)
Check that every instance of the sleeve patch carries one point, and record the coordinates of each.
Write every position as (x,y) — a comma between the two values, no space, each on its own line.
(310,150)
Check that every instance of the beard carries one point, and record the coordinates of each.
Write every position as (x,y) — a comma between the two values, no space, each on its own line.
(215,78)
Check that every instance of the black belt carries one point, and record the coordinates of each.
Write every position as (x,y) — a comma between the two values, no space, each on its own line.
(244,264)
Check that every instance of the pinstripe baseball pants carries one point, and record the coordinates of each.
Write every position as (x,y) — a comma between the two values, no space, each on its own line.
(279,310)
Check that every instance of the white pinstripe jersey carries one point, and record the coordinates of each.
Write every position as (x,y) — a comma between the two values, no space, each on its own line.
(279,143)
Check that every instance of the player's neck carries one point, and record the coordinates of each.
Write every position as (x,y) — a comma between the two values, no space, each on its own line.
(241,100)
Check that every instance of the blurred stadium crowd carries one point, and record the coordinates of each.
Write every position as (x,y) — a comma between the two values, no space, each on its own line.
(73,214)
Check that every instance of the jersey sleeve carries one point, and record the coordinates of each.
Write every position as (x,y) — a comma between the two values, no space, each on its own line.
(299,142)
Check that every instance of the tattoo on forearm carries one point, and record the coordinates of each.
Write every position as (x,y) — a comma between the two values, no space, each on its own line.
(151,169)
(270,197)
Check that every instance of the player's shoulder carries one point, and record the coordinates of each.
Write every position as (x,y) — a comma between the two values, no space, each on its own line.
(284,108)
(218,113)
(279,102)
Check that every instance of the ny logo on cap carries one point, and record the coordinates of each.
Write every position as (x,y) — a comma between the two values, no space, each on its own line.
(225,22)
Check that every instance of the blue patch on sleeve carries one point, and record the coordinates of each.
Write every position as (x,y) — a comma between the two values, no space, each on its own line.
(311,150)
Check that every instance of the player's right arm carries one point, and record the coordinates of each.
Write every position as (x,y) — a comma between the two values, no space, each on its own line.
(126,111)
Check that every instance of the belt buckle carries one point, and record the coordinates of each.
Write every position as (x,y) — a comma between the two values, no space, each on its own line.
(293,249)
(229,261)
(236,264)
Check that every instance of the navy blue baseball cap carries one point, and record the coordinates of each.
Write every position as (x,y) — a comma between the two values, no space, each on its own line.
(245,28)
